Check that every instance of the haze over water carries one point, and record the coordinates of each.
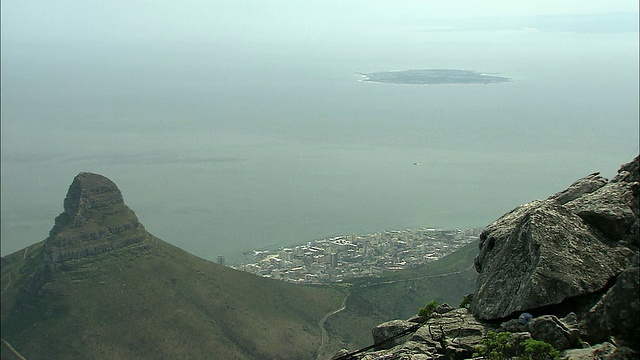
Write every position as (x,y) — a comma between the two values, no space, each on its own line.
(231,127)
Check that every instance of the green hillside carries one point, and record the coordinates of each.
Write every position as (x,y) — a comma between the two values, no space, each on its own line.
(155,301)
(101,287)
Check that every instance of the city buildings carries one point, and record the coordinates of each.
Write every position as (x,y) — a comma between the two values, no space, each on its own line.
(221,260)
(347,256)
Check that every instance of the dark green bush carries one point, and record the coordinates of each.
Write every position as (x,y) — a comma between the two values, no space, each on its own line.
(501,346)
(428,309)
(465,302)
(539,350)
(497,346)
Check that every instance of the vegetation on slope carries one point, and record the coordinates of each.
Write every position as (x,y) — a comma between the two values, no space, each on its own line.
(399,295)
(156,302)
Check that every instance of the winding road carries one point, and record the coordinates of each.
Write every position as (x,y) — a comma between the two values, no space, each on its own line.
(325,335)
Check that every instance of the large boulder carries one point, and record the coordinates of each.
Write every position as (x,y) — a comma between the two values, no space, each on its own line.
(560,333)
(604,351)
(574,253)
(449,335)
(409,350)
(570,245)
(616,313)
(586,185)
(611,211)
(453,334)
(391,333)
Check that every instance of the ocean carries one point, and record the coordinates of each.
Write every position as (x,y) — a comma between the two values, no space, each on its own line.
(226,145)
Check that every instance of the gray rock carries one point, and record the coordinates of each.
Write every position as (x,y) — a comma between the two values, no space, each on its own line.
(586,185)
(388,330)
(629,172)
(409,350)
(340,354)
(560,334)
(604,351)
(617,313)
(417,319)
(513,326)
(565,250)
(547,251)
(541,254)
(453,334)
(444,308)
(610,209)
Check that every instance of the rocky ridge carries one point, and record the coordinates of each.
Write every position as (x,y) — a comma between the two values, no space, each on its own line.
(95,220)
(571,261)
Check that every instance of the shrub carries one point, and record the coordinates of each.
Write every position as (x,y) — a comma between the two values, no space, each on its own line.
(539,350)
(497,346)
(428,309)
(501,346)
(465,302)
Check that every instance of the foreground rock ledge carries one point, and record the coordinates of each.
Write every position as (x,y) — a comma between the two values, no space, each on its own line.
(571,260)
(573,244)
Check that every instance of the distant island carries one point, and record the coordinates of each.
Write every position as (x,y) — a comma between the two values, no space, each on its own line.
(433,77)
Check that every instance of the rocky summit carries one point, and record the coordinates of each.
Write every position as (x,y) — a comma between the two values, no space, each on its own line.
(95,220)
(563,270)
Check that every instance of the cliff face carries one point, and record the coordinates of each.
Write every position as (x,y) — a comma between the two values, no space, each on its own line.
(95,220)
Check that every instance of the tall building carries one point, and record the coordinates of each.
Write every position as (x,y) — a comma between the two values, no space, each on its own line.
(221,260)
(334,260)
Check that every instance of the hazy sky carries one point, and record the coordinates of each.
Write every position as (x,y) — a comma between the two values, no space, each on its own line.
(205,20)
(230,125)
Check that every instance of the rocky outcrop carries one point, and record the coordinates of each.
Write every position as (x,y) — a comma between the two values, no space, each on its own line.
(453,334)
(573,244)
(560,333)
(563,270)
(616,313)
(604,351)
(449,335)
(95,220)
(387,334)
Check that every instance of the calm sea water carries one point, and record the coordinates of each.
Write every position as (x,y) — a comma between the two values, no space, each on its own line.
(223,147)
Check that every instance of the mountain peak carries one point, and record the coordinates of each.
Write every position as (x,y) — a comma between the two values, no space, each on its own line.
(90,193)
(94,211)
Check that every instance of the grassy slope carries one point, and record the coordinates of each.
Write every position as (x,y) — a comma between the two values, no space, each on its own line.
(157,303)
(374,302)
